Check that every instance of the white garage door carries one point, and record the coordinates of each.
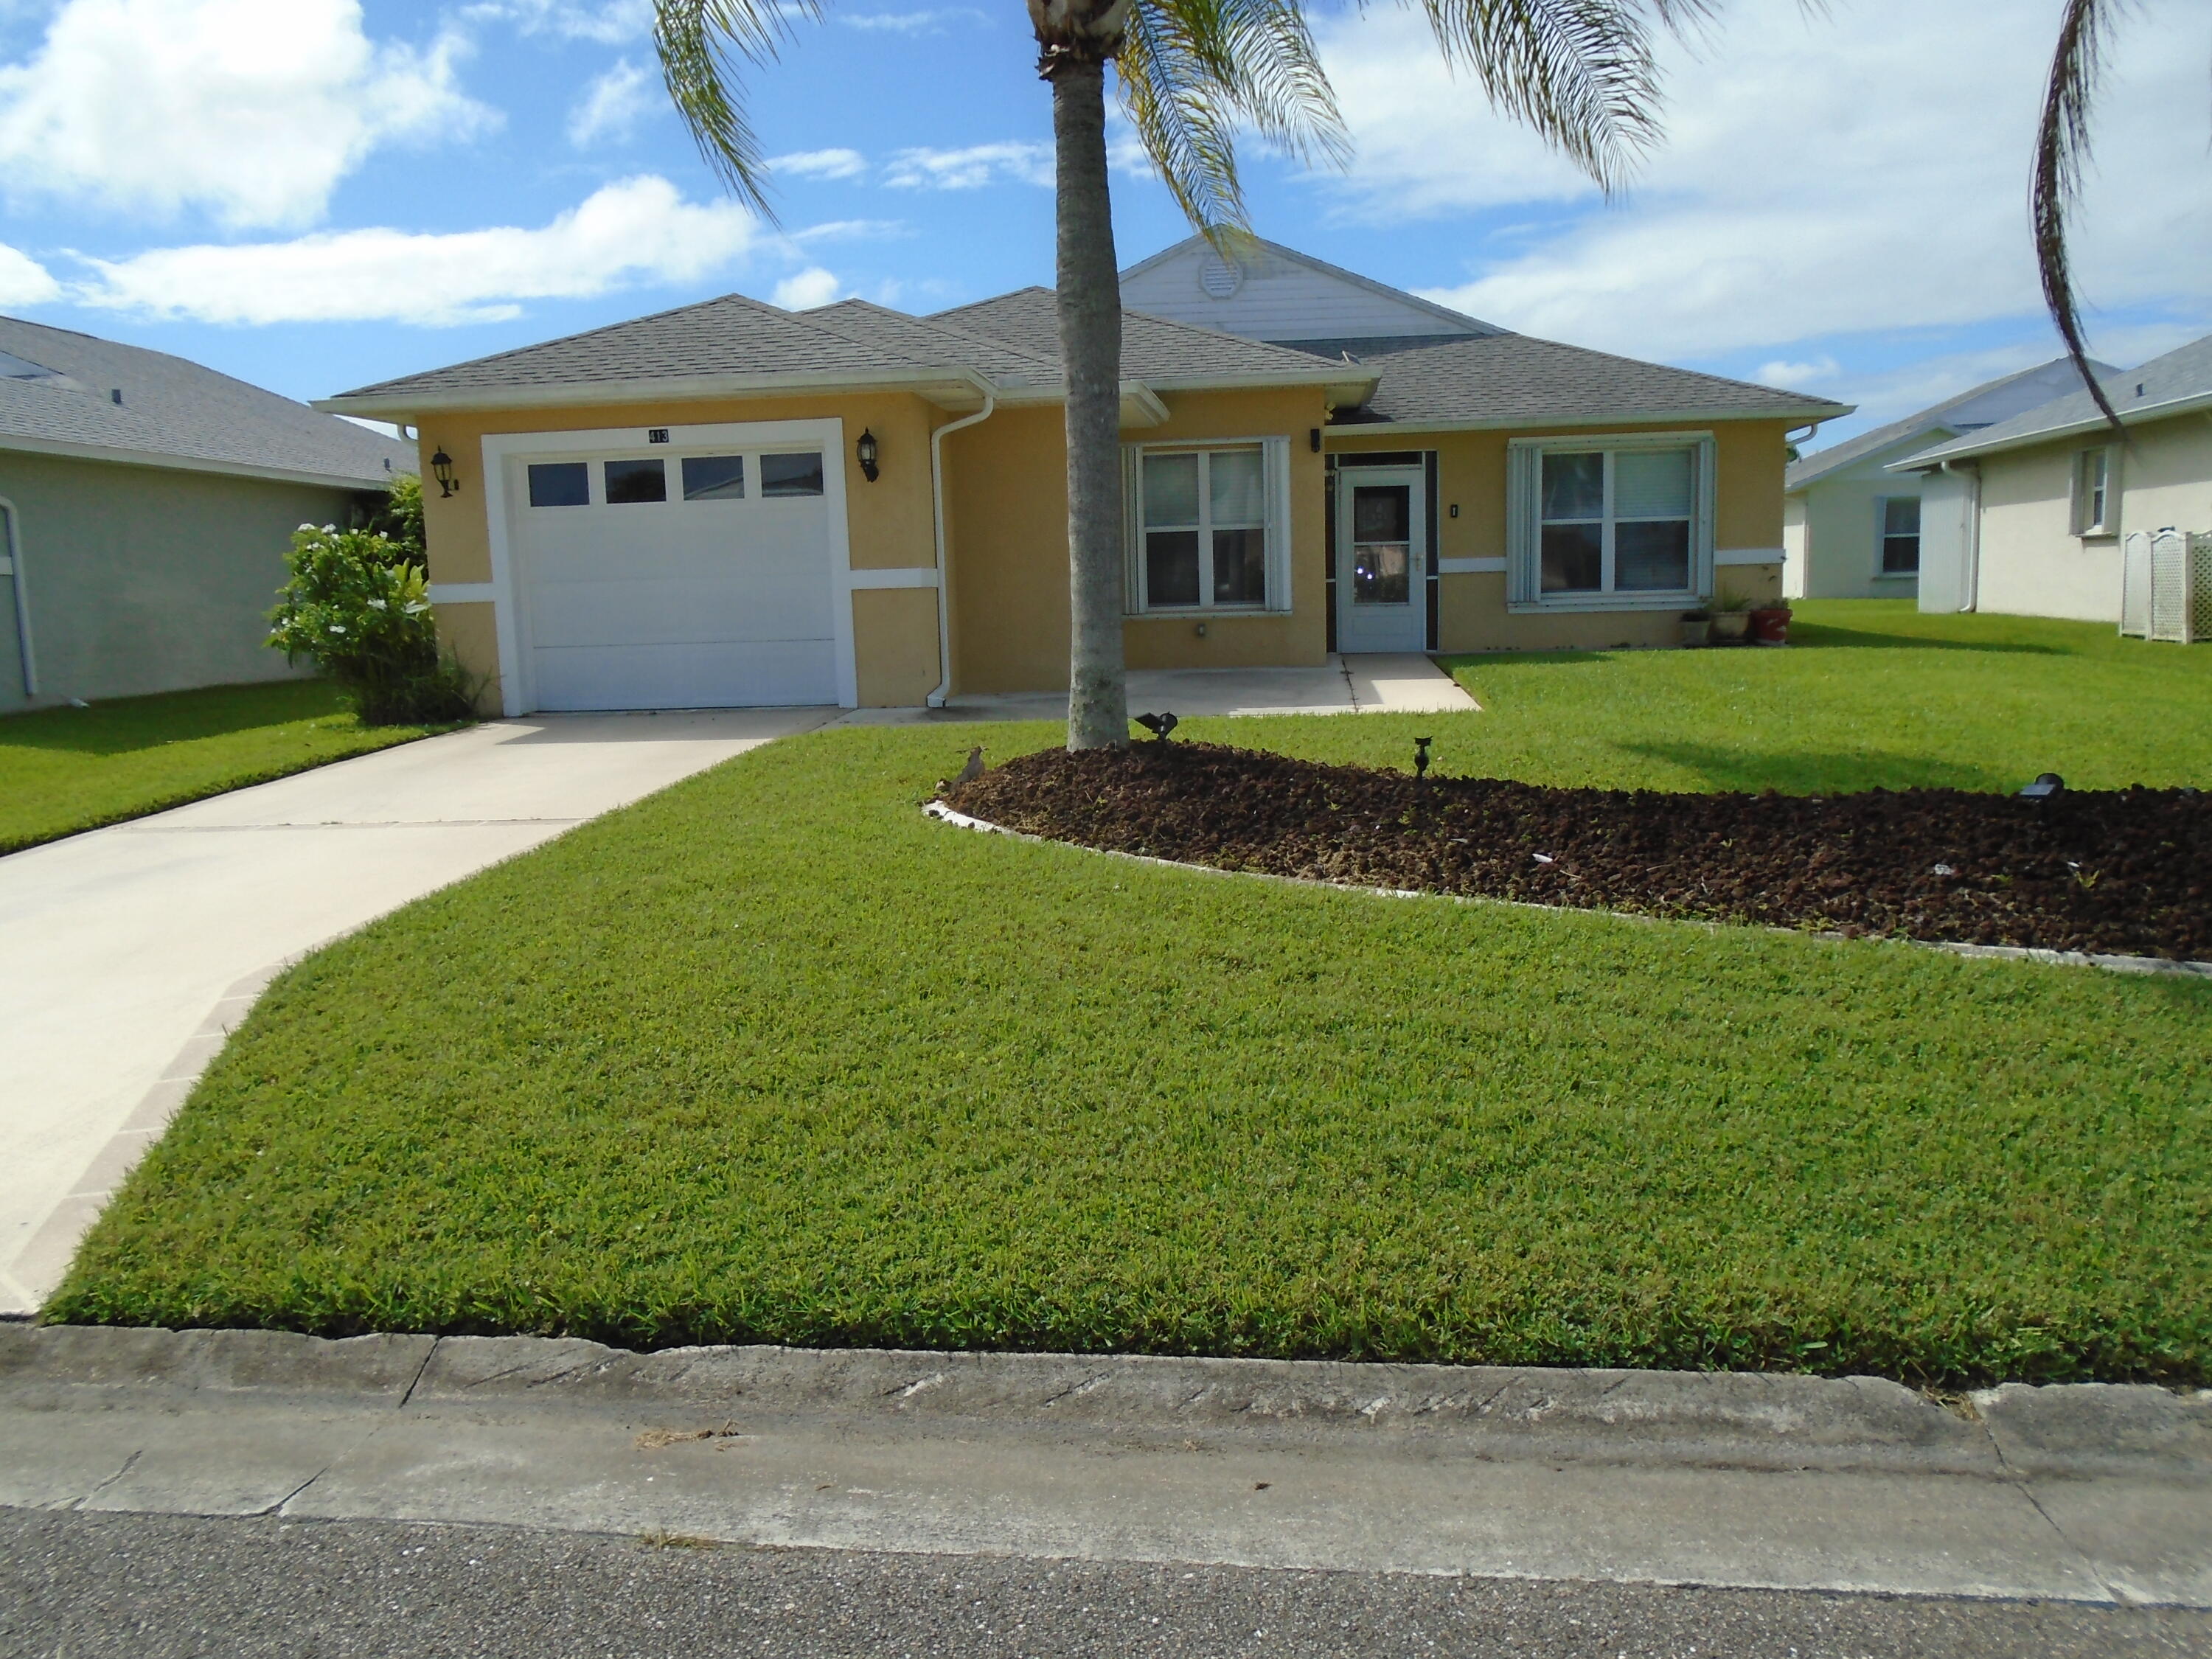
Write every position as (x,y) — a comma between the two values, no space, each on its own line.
(665,579)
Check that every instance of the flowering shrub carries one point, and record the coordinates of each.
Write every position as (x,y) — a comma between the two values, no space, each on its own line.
(362,612)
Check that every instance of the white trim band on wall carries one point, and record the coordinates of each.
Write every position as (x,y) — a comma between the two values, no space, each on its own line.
(1470,567)
(1749,555)
(464,593)
(918,575)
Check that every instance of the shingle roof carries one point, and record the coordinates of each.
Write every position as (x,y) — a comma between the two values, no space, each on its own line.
(1153,349)
(172,408)
(2178,382)
(1925,423)
(1004,363)
(732,335)
(1511,379)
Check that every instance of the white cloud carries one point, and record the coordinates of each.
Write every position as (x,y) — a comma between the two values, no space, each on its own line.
(820,164)
(24,281)
(612,106)
(1021,160)
(609,22)
(637,232)
(1784,373)
(930,21)
(853,230)
(253,110)
(805,289)
(1864,170)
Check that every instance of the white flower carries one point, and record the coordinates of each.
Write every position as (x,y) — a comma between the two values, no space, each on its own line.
(376,604)
(335,628)
(330,530)
(306,526)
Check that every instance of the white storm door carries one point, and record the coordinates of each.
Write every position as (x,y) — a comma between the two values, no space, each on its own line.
(1382,574)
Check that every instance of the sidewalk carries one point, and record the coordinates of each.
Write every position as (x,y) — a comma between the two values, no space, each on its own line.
(2089,1494)
(127,953)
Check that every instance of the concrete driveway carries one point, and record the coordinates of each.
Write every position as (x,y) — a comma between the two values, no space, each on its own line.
(126,954)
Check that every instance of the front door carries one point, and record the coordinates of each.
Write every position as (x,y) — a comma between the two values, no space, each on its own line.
(1382,573)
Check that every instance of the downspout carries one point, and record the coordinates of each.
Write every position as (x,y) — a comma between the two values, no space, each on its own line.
(1971,599)
(12,545)
(937,508)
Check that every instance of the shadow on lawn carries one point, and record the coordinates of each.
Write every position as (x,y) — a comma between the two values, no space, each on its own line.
(127,725)
(1795,772)
(1828,636)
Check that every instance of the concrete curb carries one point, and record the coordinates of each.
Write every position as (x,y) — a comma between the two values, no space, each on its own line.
(1722,1419)
(2113,964)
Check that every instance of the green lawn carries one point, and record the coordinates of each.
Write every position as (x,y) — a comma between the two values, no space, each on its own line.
(771,1056)
(66,770)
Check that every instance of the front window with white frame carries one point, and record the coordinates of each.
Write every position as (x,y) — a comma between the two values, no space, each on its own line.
(1611,523)
(1208,526)
(2093,492)
(1899,518)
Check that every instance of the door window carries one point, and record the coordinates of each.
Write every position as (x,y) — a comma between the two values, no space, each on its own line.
(1382,544)
(714,477)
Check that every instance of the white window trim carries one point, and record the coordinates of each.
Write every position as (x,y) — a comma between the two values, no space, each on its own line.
(1275,468)
(505,458)
(2107,523)
(1524,530)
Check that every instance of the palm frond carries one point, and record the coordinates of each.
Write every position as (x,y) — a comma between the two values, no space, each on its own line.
(1580,72)
(1194,72)
(2061,152)
(700,43)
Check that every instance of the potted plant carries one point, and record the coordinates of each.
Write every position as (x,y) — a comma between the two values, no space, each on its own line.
(1731,620)
(1696,625)
(1769,623)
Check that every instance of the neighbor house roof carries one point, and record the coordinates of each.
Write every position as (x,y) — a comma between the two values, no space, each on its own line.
(2178,383)
(1430,382)
(66,393)
(1948,419)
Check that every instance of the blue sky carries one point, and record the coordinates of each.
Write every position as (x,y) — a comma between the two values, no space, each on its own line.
(314,194)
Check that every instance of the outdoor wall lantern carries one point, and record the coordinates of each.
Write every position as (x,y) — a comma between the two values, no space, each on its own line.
(441,468)
(866,450)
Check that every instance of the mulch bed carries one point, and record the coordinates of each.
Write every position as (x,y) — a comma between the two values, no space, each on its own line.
(2123,872)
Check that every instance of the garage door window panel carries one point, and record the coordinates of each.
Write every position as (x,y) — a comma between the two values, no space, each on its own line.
(714,477)
(560,483)
(629,482)
(791,475)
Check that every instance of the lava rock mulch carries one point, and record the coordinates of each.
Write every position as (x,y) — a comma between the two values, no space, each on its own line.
(2124,872)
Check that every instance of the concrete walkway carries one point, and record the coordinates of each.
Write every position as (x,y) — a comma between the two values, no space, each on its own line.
(127,953)
(1399,684)
(2085,1494)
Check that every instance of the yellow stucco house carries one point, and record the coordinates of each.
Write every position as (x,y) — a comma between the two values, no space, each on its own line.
(731,504)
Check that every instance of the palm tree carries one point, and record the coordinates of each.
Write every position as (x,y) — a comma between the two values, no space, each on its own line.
(1190,74)
(2062,149)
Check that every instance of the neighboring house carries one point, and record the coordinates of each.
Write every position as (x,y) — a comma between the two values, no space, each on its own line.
(729,503)
(146,506)
(1852,527)
(2026,516)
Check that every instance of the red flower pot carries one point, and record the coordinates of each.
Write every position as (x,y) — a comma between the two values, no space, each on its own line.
(1770,625)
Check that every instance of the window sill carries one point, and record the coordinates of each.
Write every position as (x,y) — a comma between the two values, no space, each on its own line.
(1897,575)
(1605,602)
(1202,612)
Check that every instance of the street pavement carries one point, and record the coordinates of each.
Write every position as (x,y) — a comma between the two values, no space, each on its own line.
(74,1585)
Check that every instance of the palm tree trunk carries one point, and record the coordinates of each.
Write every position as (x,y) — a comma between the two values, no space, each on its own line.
(1090,347)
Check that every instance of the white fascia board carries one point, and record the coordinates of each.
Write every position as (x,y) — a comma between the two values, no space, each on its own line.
(1622,417)
(1928,460)
(689,388)
(195,464)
